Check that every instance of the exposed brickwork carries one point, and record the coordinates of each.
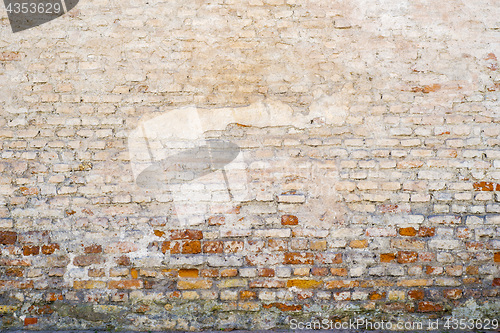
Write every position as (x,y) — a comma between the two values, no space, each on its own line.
(384,204)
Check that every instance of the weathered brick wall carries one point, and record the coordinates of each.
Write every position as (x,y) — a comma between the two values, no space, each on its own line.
(384,204)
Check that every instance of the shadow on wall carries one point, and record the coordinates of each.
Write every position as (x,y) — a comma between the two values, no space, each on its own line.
(171,153)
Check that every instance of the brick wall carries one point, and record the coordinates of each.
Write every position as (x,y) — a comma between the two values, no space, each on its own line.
(382,201)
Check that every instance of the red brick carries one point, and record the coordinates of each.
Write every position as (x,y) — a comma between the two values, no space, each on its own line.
(266,272)
(50,248)
(14,272)
(410,231)
(186,234)
(213,247)
(496,282)
(416,294)
(8,237)
(31,250)
(289,220)
(123,261)
(30,321)
(125,284)
(328,258)
(426,232)
(405,257)
(94,248)
(88,259)
(338,271)
(452,293)
(319,271)
(14,262)
(298,258)
(426,306)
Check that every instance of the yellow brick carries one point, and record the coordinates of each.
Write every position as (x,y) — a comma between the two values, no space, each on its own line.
(303,284)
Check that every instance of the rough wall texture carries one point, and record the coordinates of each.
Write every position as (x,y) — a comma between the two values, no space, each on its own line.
(384,203)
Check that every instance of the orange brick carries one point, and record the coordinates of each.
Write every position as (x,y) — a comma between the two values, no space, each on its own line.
(200,284)
(188,273)
(283,307)
(50,248)
(229,272)
(125,284)
(134,273)
(299,258)
(266,272)
(159,233)
(387,257)
(247,294)
(191,247)
(359,244)
(496,257)
(410,231)
(375,296)
(338,271)
(434,270)
(289,220)
(303,284)
(31,250)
